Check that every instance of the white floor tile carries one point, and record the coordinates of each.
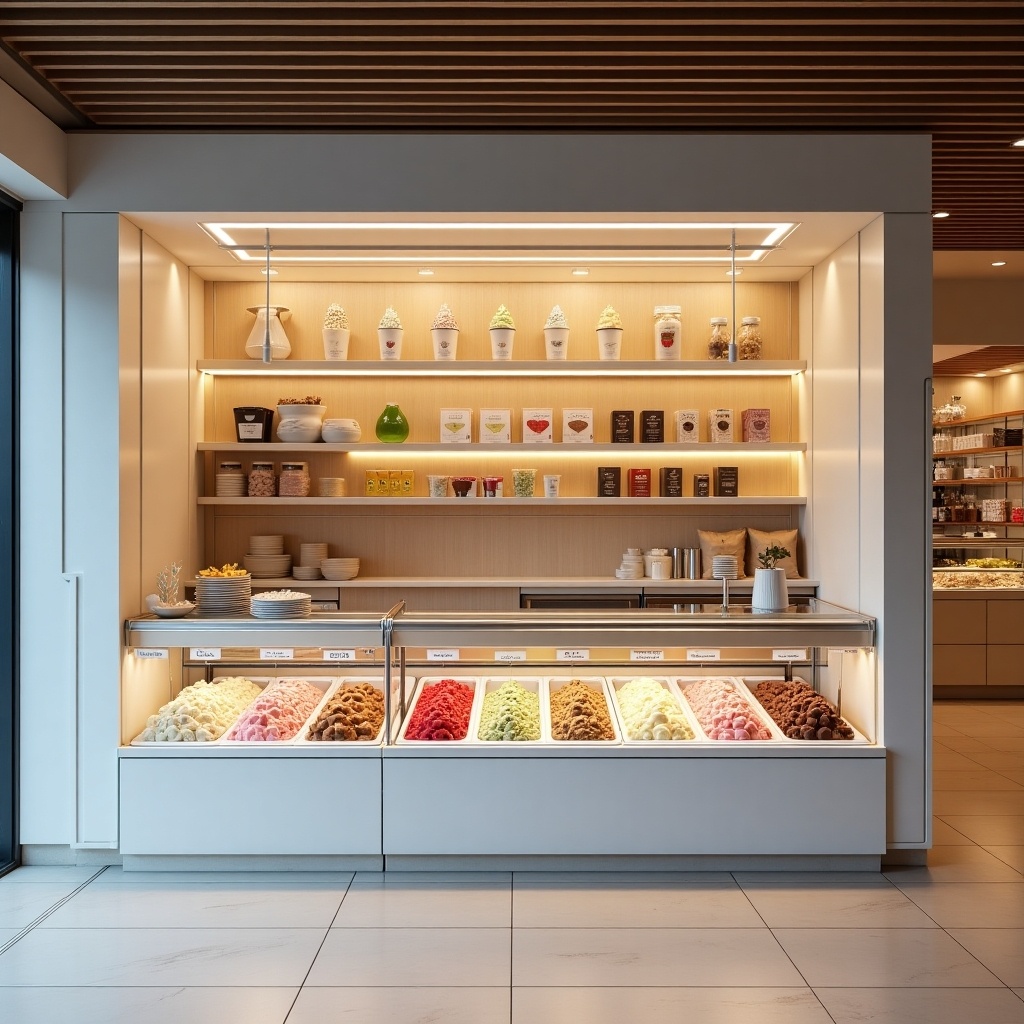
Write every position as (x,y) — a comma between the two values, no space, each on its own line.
(1012,855)
(894,957)
(400,899)
(977,801)
(622,900)
(171,1005)
(26,893)
(666,1006)
(161,956)
(946,835)
(443,957)
(967,904)
(830,901)
(187,899)
(956,864)
(649,956)
(920,1005)
(983,778)
(989,829)
(401,1006)
(1001,950)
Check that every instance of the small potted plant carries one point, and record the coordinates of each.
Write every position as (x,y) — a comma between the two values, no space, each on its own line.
(770,591)
(165,601)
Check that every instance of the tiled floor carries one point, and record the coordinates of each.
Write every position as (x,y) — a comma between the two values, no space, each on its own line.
(941,944)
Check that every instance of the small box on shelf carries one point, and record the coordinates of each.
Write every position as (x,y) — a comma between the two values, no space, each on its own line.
(537,425)
(652,426)
(727,481)
(495,426)
(609,482)
(639,483)
(577,426)
(720,425)
(701,485)
(456,426)
(671,481)
(687,426)
(757,425)
(622,426)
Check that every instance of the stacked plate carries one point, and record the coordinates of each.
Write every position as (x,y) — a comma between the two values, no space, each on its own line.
(307,572)
(725,567)
(632,567)
(223,595)
(280,604)
(266,557)
(340,568)
(312,554)
(266,544)
(230,485)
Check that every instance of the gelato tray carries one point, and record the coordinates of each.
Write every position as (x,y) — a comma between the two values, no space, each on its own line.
(650,712)
(579,711)
(725,710)
(799,712)
(351,711)
(279,713)
(444,709)
(510,710)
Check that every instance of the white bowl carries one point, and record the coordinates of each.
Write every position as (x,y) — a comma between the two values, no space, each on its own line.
(333,434)
(302,411)
(298,431)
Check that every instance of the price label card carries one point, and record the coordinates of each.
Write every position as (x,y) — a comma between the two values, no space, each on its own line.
(153,653)
(704,655)
(277,653)
(510,655)
(205,653)
(339,655)
(646,655)
(448,654)
(790,654)
(573,655)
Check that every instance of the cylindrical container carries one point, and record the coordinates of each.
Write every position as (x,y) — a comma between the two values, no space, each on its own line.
(294,481)
(332,487)
(438,485)
(668,332)
(678,563)
(556,342)
(718,346)
(609,342)
(445,341)
(691,564)
(491,486)
(502,340)
(523,481)
(262,482)
(390,339)
(749,339)
(551,484)
(336,342)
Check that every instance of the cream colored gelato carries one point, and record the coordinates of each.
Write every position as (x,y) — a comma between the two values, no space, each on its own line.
(608,318)
(445,320)
(503,318)
(650,712)
(390,320)
(335,319)
(556,318)
(202,712)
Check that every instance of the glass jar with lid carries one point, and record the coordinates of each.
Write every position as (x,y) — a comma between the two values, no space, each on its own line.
(262,481)
(294,482)
(957,409)
(230,480)
(749,338)
(718,346)
(668,332)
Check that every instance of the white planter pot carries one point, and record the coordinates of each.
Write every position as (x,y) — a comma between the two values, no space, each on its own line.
(771,593)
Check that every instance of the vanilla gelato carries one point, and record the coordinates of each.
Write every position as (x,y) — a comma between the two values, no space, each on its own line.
(650,712)
(201,713)
(445,320)
(503,318)
(556,318)
(335,319)
(390,320)
(608,318)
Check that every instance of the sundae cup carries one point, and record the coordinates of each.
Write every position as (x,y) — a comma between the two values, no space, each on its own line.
(389,334)
(609,334)
(503,333)
(444,332)
(556,334)
(336,332)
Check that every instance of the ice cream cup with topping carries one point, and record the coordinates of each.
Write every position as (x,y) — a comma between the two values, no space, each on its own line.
(445,340)
(523,482)
(609,342)
(502,339)
(556,342)
(336,342)
(463,486)
(438,485)
(390,339)
(491,485)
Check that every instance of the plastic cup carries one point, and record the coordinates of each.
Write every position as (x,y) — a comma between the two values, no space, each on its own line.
(609,342)
(556,342)
(446,342)
(438,486)
(336,342)
(390,339)
(491,485)
(502,339)
(464,486)
(551,483)
(523,482)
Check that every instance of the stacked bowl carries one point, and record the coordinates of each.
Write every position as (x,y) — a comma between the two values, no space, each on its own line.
(340,568)
(310,556)
(266,557)
(340,431)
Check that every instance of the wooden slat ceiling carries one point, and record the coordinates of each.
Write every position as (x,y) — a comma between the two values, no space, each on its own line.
(955,70)
(981,360)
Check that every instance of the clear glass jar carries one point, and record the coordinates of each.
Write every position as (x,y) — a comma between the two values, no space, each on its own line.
(749,338)
(668,332)
(262,481)
(718,346)
(957,409)
(294,482)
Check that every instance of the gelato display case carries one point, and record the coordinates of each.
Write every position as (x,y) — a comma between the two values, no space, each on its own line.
(607,734)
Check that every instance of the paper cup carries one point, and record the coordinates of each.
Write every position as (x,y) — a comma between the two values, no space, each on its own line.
(609,342)
(502,339)
(523,481)
(551,484)
(556,342)
(336,342)
(446,341)
(464,486)
(390,339)
(492,485)
(438,486)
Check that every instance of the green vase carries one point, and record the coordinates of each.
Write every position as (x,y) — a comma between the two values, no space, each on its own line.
(392,426)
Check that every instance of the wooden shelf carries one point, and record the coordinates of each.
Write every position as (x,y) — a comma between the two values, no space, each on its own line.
(503,368)
(958,453)
(496,504)
(376,448)
(991,418)
(979,481)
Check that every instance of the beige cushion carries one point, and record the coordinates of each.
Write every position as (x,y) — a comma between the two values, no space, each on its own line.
(729,542)
(758,540)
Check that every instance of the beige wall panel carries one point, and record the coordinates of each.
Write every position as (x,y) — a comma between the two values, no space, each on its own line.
(958,622)
(974,392)
(1008,391)
(474,303)
(421,599)
(960,665)
(1005,622)
(1006,665)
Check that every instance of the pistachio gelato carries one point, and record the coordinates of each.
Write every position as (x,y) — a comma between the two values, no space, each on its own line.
(511,712)
(556,318)
(390,320)
(335,319)
(503,318)
(608,318)
(445,320)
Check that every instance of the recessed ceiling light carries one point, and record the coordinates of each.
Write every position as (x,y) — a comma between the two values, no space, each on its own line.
(1019,143)
(733,273)
(979,375)
(271,272)
(939,215)
(1006,369)
(999,263)
(425,272)
(580,272)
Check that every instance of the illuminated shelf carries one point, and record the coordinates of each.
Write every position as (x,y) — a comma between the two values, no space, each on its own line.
(497,504)
(375,448)
(502,368)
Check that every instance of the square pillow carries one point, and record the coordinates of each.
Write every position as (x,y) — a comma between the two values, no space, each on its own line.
(728,542)
(758,540)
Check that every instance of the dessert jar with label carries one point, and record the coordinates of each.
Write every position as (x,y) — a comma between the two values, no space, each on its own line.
(718,346)
(668,332)
(294,482)
(262,480)
(749,339)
